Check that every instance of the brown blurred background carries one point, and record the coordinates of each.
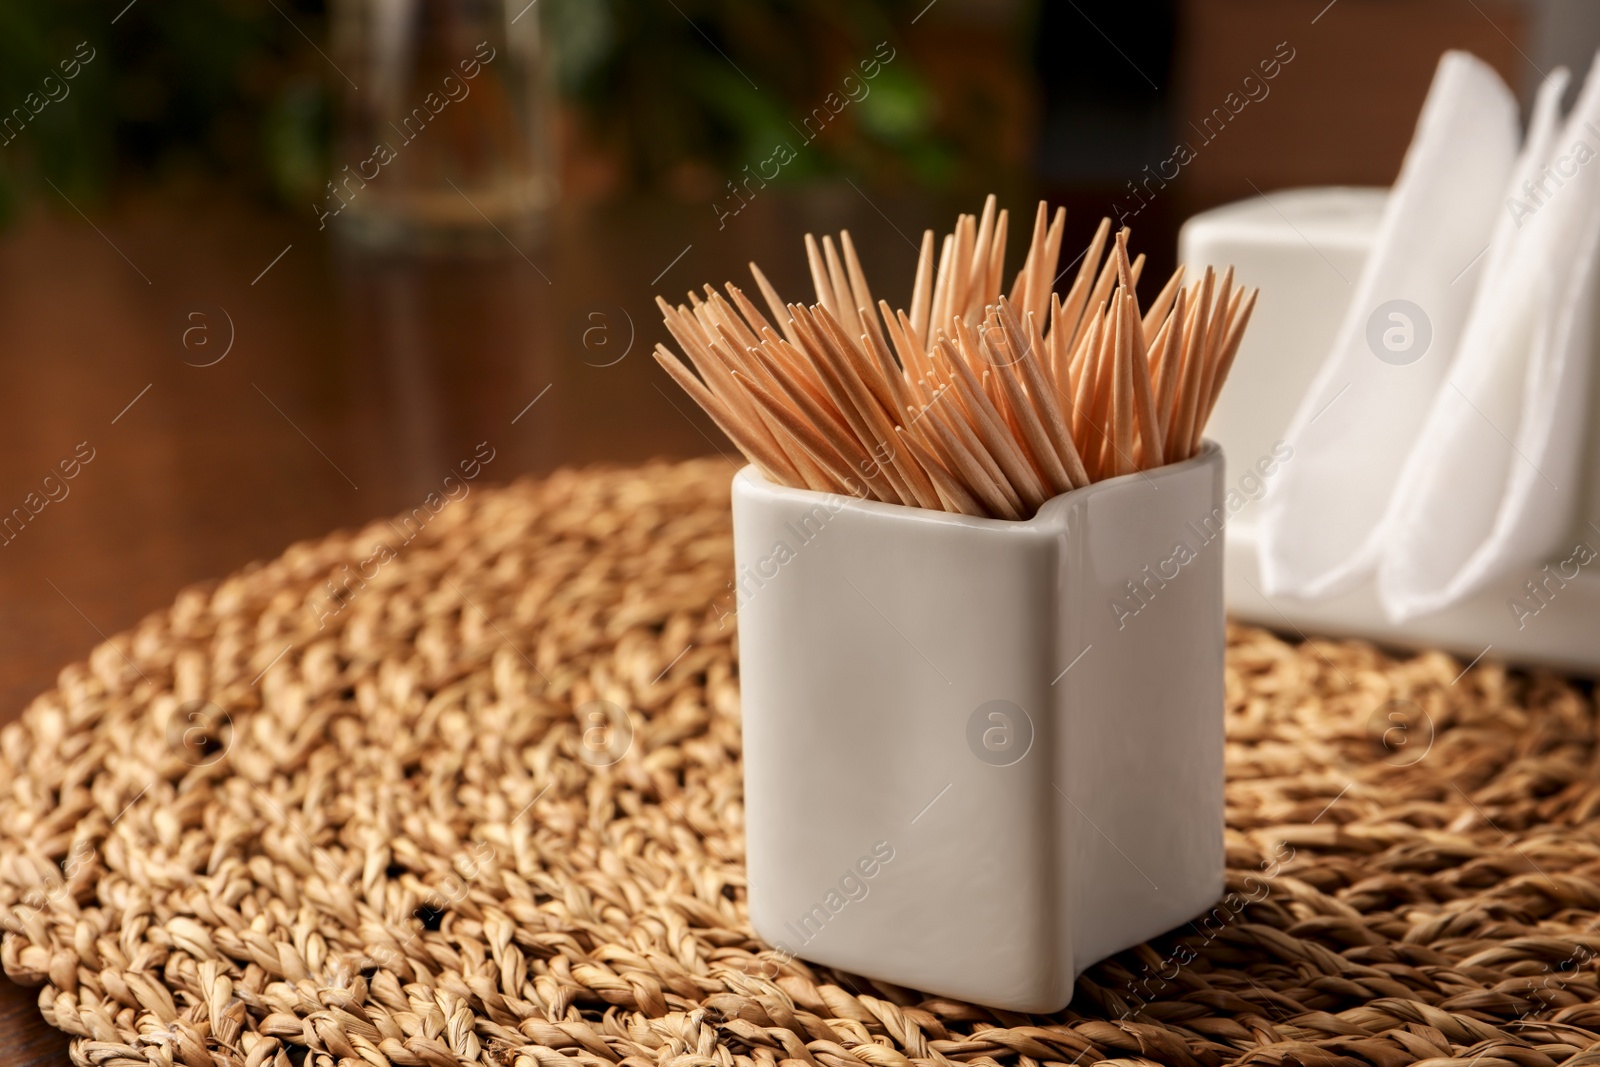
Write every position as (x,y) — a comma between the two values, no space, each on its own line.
(166,205)
(245,377)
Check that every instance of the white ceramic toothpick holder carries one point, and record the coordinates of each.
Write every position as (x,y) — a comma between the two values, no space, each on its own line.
(982,755)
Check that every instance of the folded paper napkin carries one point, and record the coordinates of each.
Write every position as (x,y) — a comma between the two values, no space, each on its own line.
(1492,484)
(1437,448)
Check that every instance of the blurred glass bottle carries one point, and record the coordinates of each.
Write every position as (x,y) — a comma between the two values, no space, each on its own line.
(444,133)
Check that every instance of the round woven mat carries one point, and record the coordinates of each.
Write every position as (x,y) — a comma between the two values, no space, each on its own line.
(377,822)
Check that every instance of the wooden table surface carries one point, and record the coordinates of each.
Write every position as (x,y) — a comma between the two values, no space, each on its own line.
(354,383)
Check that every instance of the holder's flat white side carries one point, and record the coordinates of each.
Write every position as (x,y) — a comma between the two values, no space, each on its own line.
(860,660)
(981,755)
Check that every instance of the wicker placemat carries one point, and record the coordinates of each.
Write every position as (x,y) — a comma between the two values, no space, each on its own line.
(381,813)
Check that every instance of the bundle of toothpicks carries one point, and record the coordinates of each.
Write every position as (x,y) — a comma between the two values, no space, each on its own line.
(975,401)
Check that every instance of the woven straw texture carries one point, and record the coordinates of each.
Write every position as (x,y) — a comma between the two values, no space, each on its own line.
(397,845)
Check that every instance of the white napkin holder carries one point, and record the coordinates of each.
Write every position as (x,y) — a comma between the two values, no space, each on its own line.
(1304,248)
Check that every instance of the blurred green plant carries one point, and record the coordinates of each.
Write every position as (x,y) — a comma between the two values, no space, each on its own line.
(673,83)
(668,87)
(220,86)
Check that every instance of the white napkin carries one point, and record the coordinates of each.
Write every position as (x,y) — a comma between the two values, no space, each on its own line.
(1492,484)
(1321,527)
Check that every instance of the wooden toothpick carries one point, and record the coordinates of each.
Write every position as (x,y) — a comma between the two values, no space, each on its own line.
(972,401)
